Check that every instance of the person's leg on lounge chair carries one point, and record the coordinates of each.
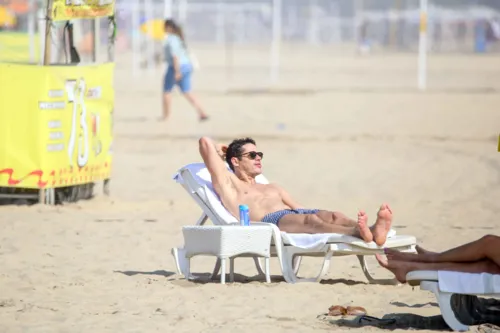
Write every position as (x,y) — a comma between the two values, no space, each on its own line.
(337,218)
(487,247)
(401,268)
(314,223)
(378,231)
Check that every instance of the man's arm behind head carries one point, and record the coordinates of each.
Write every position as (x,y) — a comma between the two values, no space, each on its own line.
(213,156)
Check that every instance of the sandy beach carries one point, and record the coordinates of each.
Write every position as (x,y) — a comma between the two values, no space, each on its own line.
(350,134)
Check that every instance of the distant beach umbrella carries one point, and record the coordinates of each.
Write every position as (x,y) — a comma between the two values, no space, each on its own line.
(7,19)
(154,29)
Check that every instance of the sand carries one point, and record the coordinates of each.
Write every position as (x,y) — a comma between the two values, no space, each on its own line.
(364,137)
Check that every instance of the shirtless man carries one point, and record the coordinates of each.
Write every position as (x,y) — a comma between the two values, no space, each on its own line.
(271,203)
(480,256)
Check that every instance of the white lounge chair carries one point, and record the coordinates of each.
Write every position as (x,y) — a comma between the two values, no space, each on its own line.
(289,248)
(445,284)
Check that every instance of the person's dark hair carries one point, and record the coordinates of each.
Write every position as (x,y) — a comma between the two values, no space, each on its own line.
(236,148)
(177,29)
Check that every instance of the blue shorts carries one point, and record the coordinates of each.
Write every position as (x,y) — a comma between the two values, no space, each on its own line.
(275,217)
(184,83)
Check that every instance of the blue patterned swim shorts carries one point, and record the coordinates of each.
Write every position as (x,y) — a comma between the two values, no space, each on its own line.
(275,217)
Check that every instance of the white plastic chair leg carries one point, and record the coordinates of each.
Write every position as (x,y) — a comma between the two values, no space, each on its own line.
(286,266)
(325,267)
(175,254)
(223,271)
(216,269)
(370,278)
(181,262)
(203,218)
(231,270)
(187,274)
(296,264)
(268,274)
(444,301)
(291,277)
(264,272)
(258,266)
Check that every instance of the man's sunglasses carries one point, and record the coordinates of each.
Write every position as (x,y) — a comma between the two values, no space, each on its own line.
(253,154)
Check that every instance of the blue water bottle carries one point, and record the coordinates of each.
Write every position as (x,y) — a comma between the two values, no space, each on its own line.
(244,215)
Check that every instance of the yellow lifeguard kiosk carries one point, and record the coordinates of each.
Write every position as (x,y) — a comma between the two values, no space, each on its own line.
(56,117)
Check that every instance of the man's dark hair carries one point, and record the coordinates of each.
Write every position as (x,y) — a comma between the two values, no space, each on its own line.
(235,149)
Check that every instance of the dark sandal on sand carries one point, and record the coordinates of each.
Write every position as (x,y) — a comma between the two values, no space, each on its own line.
(374,321)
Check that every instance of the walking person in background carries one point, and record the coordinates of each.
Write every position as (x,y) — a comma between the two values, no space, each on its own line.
(179,70)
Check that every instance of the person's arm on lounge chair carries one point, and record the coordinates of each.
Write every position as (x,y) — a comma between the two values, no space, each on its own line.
(213,156)
(287,199)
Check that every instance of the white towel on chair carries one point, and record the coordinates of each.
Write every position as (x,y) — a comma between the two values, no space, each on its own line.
(307,241)
(318,241)
(199,172)
(469,283)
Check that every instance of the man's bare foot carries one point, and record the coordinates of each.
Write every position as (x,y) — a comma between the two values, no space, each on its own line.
(364,232)
(382,225)
(398,268)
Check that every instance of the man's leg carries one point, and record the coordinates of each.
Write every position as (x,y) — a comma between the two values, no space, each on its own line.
(378,231)
(336,218)
(401,268)
(313,224)
(487,247)
(339,219)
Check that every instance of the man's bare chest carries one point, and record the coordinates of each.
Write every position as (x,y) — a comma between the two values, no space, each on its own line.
(259,192)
